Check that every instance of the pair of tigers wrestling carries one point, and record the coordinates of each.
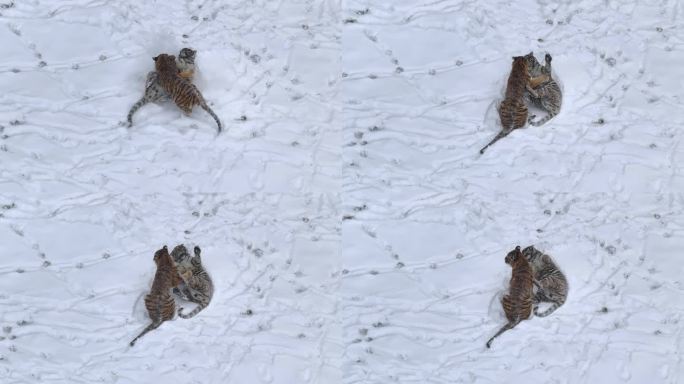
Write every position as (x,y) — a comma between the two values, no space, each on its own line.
(531,269)
(186,276)
(172,79)
(529,82)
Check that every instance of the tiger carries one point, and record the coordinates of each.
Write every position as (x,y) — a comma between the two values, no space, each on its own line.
(159,303)
(513,109)
(153,90)
(517,304)
(198,286)
(547,95)
(181,91)
(551,284)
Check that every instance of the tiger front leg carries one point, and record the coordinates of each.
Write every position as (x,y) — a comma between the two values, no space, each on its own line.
(539,297)
(179,291)
(192,296)
(547,63)
(532,96)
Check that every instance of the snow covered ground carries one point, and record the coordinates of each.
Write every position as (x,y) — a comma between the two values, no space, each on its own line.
(353,231)
(433,220)
(86,202)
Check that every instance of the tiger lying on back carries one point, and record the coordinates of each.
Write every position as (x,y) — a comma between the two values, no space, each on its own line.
(513,109)
(181,91)
(159,303)
(551,284)
(197,286)
(153,90)
(547,94)
(517,304)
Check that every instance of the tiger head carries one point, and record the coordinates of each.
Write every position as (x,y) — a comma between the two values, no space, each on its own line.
(165,62)
(180,254)
(161,256)
(531,253)
(187,54)
(533,65)
(520,62)
(513,256)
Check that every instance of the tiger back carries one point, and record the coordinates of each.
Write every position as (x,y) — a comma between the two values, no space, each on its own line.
(182,92)
(517,304)
(513,110)
(159,302)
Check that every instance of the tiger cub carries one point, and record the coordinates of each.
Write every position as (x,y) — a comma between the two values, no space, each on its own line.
(159,303)
(198,286)
(181,91)
(153,90)
(552,286)
(517,304)
(513,109)
(547,95)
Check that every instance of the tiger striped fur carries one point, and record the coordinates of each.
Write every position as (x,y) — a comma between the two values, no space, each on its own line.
(547,95)
(198,286)
(513,109)
(153,90)
(159,303)
(551,284)
(517,304)
(181,91)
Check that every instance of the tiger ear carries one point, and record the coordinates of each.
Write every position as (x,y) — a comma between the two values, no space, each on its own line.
(155,58)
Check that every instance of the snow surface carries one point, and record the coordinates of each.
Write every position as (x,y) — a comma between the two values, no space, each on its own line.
(435,219)
(87,201)
(353,231)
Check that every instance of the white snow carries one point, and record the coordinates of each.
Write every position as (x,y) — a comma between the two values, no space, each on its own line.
(92,200)
(425,255)
(353,231)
